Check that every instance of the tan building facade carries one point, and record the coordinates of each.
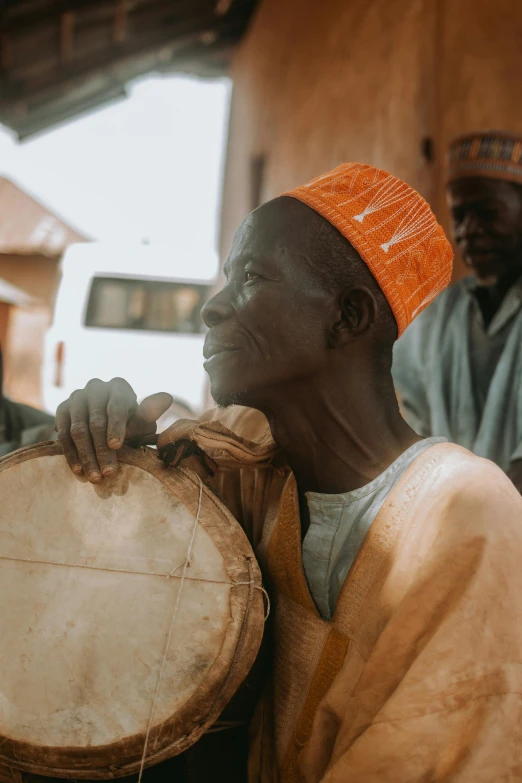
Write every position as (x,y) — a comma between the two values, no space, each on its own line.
(32,242)
(387,82)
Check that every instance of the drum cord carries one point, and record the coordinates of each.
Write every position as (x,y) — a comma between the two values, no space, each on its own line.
(257,587)
(186,565)
(169,635)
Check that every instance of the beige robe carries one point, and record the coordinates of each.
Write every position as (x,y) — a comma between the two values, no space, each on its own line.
(418,677)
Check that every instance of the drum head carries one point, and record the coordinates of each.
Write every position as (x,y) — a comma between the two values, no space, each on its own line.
(130,614)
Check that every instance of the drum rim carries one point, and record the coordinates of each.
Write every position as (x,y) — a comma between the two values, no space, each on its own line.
(242,638)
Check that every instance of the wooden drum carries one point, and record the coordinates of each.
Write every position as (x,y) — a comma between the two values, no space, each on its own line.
(130,613)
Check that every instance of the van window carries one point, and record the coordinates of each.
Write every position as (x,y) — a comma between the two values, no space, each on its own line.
(120,303)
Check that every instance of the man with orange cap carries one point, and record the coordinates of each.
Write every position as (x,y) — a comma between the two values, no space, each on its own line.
(458,370)
(392,561)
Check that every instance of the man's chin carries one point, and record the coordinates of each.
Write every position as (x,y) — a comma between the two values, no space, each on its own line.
(224,399)
(487,268)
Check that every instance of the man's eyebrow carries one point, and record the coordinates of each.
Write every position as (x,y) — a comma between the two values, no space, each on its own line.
(240,261)
(477,202)
(488,200)
(226,268)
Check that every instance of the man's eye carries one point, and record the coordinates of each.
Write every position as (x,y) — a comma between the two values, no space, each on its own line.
(487,214)
(250,276)
(458,216)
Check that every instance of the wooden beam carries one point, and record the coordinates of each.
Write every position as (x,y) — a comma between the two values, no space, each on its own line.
(148,34)
(187,59)
(178,36)
(51,14)
(36,121)
(67,37)
(120,21)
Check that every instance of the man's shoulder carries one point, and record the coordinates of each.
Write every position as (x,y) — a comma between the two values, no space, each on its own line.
(447,299)
(422,327)
(474,493)
(464,533)
(465,473)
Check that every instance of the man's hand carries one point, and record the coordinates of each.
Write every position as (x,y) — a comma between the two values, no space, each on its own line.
(94,422)
(515,474)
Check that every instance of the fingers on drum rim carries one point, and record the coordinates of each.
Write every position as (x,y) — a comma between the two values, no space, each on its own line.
(121,406)
(63,428)
(81,435)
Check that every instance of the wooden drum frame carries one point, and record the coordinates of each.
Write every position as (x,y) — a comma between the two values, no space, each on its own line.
(130,613)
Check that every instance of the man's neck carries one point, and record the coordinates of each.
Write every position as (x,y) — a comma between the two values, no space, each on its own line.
(337,440)
(490,297)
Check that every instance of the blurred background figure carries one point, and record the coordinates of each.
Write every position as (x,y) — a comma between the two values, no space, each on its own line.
(21,425)
(458,371)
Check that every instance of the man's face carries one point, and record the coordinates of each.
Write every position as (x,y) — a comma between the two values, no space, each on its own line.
(269,324)
(487,225)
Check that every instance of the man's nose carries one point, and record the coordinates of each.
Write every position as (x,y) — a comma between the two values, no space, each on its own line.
(470,226)
(217,309)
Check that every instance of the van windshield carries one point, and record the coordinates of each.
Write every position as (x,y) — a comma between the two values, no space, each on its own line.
(121,303)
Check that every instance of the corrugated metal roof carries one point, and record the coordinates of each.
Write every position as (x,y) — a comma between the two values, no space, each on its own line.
(29,228)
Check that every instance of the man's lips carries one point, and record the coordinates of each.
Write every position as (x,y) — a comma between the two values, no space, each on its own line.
(478,255)
(213,349)
(477,250)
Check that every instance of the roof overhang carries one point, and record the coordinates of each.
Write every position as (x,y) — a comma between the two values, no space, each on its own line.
(59,58)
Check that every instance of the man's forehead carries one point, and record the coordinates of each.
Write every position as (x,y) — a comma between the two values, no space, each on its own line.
(475,189)
(274,228)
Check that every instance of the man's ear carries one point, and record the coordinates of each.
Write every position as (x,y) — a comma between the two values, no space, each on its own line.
(358,311)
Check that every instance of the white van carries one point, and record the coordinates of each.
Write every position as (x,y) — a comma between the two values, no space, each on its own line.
(132,312)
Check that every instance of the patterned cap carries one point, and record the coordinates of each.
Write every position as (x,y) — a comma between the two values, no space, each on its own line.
(392,228)
(492,154)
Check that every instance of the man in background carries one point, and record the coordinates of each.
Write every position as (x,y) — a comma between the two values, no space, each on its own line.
(458,369)
(21,425)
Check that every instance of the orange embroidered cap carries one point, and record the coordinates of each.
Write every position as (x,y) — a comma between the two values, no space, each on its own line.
(392,228)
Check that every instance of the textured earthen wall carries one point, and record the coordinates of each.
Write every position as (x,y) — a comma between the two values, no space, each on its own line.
(319,83)
(481,53)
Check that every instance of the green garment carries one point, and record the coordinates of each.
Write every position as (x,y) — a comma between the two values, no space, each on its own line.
(460,379)
(21,425)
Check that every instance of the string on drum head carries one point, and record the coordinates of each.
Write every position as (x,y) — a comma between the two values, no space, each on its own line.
(186,564)
(171,628)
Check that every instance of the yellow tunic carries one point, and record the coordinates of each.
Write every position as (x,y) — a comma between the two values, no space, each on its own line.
(418,677)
